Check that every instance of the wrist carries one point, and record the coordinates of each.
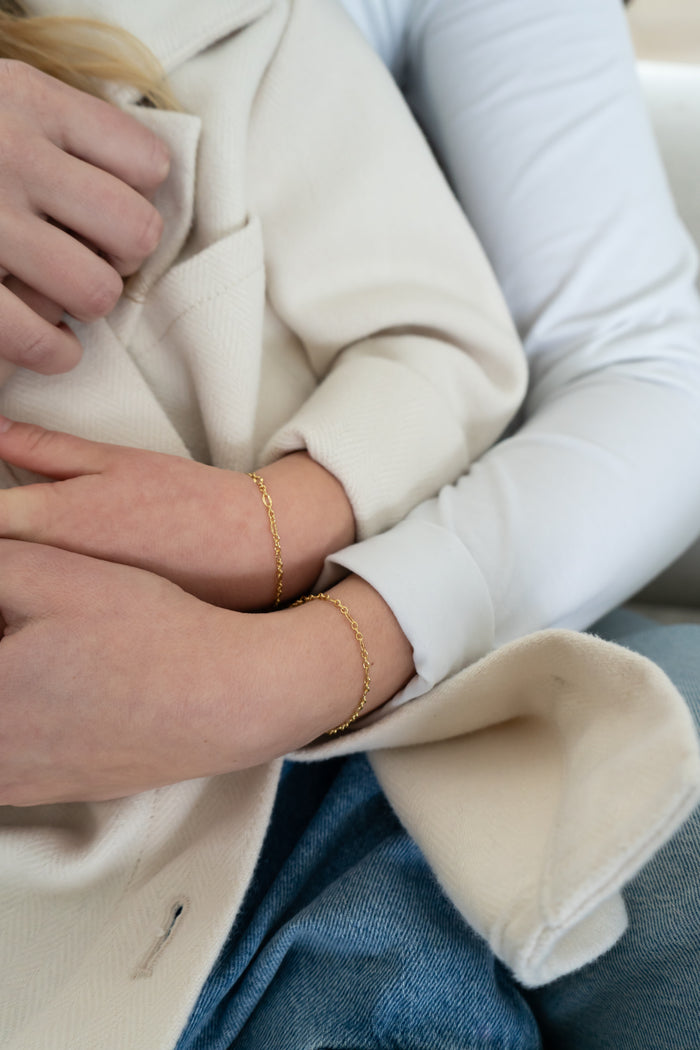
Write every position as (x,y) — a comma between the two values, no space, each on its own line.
(325,659)
(284,679)
(313,518)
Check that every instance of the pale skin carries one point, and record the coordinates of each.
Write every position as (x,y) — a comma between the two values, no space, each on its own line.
(115,680)
(72,160)
(128,658)
(117,503)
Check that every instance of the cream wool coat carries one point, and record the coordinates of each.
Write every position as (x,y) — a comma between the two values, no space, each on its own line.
(292,304)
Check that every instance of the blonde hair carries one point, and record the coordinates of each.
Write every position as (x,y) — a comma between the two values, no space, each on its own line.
(83,53)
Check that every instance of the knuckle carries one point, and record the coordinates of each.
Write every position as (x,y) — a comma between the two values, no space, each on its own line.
(35,437)
(41,347)
(17,78)
(20,113)
(38,353)
(25,88)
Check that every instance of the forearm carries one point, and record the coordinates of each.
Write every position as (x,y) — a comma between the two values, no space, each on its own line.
(313,679)
(579,223)
(599,488)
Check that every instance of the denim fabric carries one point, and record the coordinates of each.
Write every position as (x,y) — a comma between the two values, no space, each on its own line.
(644,994)
(346,940)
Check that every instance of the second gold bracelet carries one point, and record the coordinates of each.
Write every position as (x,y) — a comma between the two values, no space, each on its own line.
(366,681)
(279,567)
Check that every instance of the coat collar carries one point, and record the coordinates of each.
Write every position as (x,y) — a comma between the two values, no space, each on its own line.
(174,30)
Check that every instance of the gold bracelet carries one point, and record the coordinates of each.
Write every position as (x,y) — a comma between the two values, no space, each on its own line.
(279,569)
(322,596)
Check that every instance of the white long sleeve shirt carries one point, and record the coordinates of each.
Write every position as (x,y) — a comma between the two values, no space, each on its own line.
(535,111)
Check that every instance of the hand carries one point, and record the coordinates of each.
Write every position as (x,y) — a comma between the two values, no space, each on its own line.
(203,528)
(85,166)
(114,681)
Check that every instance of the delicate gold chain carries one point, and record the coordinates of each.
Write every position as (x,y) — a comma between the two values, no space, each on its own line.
(267,503)
(322,596)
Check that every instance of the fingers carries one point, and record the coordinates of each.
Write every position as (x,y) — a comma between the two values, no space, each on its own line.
(110,139)
(29,341)
(88,167)
(59,267)
(94,204)
(49,452)
(35,512)
(23,513)
(42,307)
(87,127)
(40,304)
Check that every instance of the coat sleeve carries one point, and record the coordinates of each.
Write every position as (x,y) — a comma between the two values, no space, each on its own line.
(372,265)
(541,125)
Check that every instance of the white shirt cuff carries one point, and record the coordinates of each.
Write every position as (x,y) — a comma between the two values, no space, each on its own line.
(436,592)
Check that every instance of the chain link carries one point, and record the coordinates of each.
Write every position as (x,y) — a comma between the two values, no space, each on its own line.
(279,568)
(322,596)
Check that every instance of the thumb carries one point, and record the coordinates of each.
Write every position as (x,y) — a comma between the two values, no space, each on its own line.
(50,452)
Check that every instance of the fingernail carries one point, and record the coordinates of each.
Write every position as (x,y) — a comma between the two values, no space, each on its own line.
(5,424)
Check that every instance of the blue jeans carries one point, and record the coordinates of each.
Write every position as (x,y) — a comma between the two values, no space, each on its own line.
(346,942)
